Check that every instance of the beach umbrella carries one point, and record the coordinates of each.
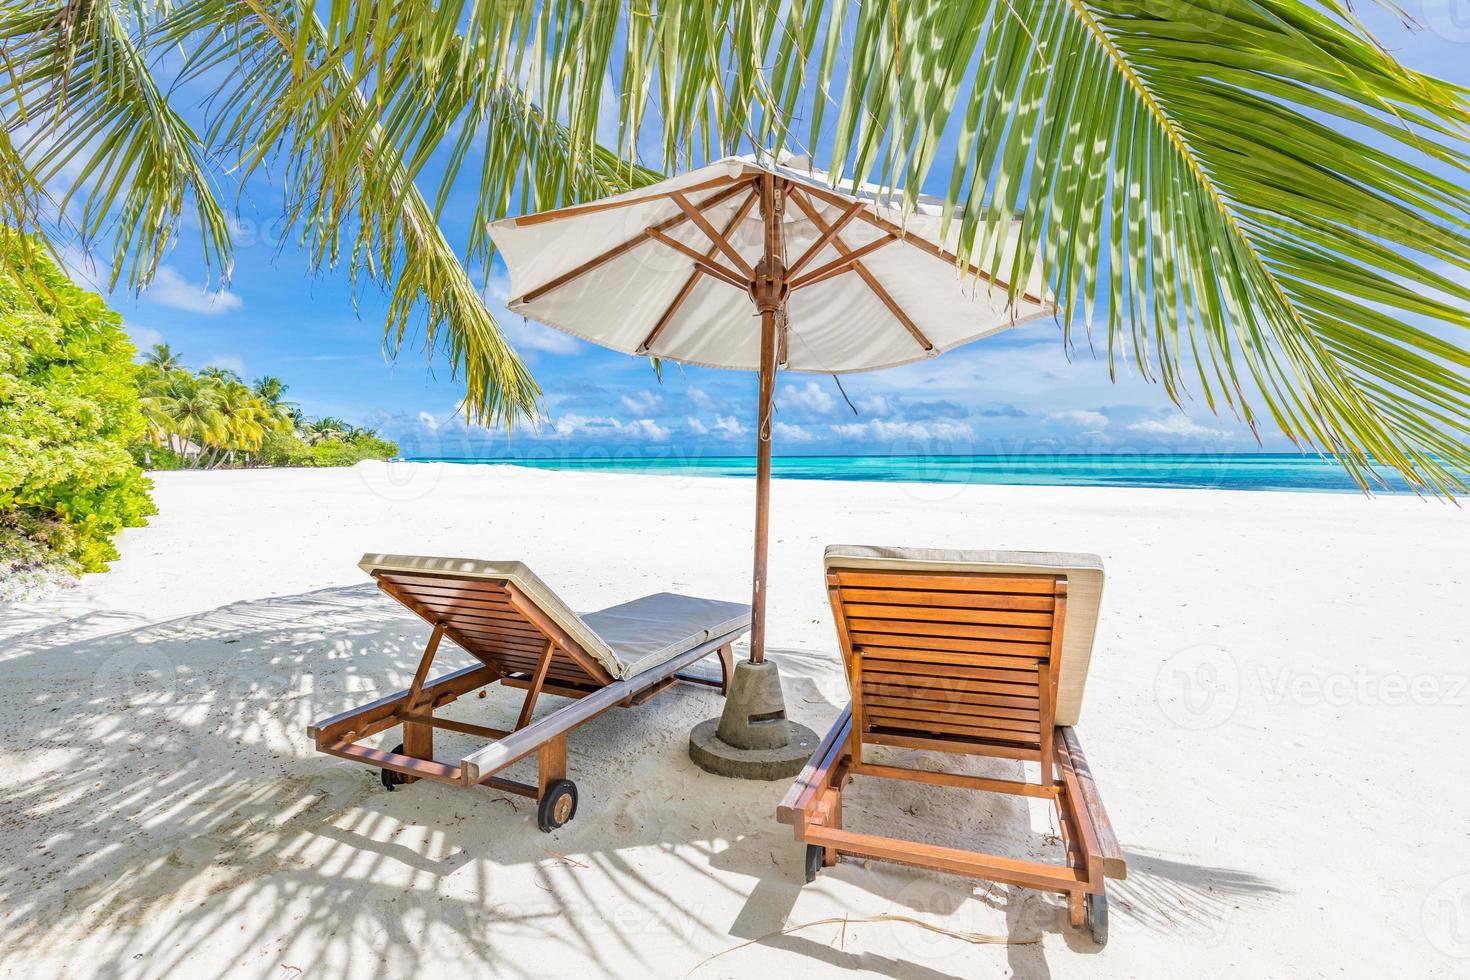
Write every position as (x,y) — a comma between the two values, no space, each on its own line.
(841,281)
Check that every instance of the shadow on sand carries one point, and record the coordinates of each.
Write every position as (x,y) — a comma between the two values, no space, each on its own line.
(174,811)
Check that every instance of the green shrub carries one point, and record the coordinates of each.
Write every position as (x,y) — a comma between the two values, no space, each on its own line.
(151,457)
(69,410)
(283,449)
(333,452)
(372,447)
(34,555)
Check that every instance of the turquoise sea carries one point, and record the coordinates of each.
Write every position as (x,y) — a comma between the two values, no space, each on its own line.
(1247,471)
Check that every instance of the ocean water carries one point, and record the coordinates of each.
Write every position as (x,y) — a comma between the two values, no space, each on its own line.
(1243,471)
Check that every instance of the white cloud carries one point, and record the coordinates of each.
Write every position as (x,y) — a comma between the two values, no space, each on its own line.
(873,405)
(1180,426)
(810,397)
(649,428)
(792,433)
(700,397)
(641,402)
(879,430)
(1086,418)
(920,431)
(526,334)
(729,426)
(696,426)
(572,424)
(428,422)
(141,336)
(171,289)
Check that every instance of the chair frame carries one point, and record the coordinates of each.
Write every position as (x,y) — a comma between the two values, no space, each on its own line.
(813,805)
(520,647)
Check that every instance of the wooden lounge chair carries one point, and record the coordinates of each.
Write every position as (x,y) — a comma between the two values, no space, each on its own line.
(972,653)
(524,637)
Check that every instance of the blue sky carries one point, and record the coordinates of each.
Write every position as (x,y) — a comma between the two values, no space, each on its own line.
(1016,393)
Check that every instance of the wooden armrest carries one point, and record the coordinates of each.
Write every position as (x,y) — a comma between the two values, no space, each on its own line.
(816,774)
(1097,830)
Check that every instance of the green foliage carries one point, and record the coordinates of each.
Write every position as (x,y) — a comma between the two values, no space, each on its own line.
(1253,201)
(284,449)
(69,408)
(212,419)
(34,554)
(151,457)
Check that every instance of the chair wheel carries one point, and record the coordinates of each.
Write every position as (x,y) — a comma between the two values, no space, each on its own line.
(558,805)
(390,777)
(813,862)
(1097,918)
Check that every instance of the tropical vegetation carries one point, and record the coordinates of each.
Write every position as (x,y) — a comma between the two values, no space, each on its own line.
(69,408)
(1250,201)
(211,418)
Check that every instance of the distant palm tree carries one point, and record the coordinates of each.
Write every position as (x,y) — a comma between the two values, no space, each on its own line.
(189,406)
(221,374)
(324,429)
(163,357)
(271,389)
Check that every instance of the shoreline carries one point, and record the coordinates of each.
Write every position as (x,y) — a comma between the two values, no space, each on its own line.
(1203,471)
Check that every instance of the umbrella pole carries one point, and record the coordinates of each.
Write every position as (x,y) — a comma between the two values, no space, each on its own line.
(753,738)
(763,486)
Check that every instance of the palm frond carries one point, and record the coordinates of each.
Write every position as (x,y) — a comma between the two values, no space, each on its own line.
(82,109)
(1264,209)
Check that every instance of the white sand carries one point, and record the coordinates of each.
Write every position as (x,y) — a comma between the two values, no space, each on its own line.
(1298,808)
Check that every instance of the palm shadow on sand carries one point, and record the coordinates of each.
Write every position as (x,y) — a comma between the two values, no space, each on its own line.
(180,807)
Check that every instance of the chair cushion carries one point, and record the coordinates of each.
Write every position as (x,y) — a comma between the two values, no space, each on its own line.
(626,639)
(1084,574)
(646,632)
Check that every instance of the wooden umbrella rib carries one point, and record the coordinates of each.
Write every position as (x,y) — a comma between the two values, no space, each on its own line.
(828,233)
(867,277)
(541,217)
(919,242)
(838,266)
(615,251)
(688,287)
(708,266)
(719,239)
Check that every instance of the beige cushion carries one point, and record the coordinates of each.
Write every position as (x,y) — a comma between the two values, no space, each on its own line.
(1084,595)
(626,639)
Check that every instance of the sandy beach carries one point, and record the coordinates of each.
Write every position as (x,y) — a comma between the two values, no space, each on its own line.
(1277,717)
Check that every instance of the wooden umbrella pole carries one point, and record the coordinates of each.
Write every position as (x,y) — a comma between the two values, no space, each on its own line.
(768,292)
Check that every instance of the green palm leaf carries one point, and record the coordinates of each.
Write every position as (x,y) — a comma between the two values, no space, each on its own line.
(1250,203)
(1270,212)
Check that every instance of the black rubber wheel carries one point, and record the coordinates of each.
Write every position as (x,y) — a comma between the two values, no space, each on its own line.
(388,776)
(813,862)
(1097,918)
(558,805)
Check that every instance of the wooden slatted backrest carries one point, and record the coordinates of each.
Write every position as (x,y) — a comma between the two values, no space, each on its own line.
(965,657)
(496,624)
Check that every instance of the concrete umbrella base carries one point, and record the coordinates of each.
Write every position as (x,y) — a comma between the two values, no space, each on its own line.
(753,738)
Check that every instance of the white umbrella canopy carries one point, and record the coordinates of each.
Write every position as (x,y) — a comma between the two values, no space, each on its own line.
(595,271)
(675,270)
